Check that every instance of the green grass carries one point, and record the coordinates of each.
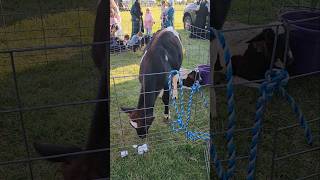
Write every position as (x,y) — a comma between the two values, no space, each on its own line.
(68,75)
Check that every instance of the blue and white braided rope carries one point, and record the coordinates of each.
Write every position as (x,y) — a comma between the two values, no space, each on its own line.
(276,79)
(177,125)
(231,106)
(183,126)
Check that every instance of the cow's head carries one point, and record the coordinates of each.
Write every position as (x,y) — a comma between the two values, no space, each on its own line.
(139,120)
(264,42)
(192,77)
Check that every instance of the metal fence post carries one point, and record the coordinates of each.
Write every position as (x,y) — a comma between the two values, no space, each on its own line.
(19,104)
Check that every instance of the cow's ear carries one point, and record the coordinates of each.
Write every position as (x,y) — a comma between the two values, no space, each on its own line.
(192,75)
(127,109)
(51,150)
(264,35)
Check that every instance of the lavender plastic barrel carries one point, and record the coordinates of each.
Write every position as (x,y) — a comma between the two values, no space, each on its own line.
(204,71)
(304,41)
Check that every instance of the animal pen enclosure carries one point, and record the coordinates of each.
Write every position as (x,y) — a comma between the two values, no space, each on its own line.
(48,85)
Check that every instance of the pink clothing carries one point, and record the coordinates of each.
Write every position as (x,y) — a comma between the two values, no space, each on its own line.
(113,20)
(148,21)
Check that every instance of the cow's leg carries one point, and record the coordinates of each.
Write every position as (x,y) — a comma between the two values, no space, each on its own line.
(165,100)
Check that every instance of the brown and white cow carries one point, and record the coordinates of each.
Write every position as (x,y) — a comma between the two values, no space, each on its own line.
(162,54)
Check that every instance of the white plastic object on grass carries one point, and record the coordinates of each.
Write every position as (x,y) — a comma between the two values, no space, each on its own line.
(124,153)
(141,149)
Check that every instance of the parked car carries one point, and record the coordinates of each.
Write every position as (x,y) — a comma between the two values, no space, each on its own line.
(189,14)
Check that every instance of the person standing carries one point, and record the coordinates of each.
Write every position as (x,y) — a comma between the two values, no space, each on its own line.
(114,6)
(148,21)
(136,18)
(115,14)
(200,21)
(169,15)
(163,14)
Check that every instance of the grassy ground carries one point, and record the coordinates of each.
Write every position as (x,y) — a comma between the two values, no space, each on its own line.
(67,75)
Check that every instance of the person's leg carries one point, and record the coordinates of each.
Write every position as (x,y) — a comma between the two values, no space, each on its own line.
(132,31)
(135,28)
(149,30)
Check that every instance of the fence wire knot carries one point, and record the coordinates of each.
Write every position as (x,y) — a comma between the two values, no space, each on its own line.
(275,80)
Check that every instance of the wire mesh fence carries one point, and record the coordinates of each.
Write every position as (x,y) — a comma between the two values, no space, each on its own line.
(47,94)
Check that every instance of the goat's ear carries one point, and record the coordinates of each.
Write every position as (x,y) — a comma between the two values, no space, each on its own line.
(264,35)
(257,38)
(51,150)
(127,109)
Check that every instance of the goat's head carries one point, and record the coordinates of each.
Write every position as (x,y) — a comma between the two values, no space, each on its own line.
(264,42)
(139,120)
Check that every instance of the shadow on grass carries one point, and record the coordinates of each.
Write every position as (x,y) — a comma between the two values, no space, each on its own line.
(63,81)
(16,10)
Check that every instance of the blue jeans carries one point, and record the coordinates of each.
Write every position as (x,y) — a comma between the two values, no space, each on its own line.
(135,27)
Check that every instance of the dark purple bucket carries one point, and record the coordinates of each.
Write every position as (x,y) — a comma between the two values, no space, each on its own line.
(304,41)
(204,71)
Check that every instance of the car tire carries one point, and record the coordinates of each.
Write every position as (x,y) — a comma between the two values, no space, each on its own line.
(187,19)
